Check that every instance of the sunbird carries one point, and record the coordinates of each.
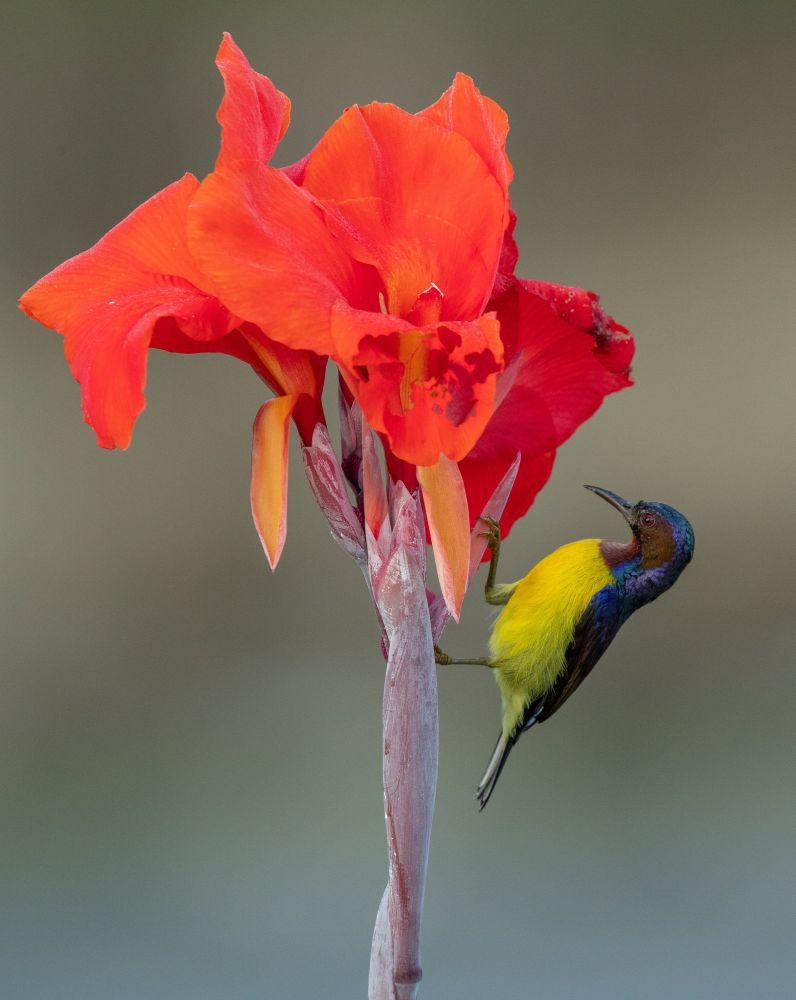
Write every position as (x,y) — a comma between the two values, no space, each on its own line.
(558,620)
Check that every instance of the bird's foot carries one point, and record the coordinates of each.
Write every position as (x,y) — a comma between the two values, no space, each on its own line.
(492,536)
(441,657)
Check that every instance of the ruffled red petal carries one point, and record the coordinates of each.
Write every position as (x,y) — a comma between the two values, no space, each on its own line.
(429,389)
(560,365)
(253,114)
(615,346)
(416,201)
(567,350)
(107,301)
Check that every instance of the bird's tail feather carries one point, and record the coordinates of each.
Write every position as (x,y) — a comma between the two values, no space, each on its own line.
(496,764)
(501,753)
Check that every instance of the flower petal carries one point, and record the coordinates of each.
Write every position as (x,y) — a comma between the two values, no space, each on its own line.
(445,503)
(107,301)
(562,353)
(265,250)
(614,344)
(509,255)
(253,114)
(482,476)
(430,390)
(416,201)
(289,372)
(269,474)
(568,354)
(464,109)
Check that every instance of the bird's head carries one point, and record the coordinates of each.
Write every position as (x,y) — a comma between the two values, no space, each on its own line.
(665,537)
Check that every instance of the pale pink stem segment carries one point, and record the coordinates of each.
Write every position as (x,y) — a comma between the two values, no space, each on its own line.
(410,752)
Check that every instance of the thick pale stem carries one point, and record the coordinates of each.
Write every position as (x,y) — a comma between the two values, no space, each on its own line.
(386,536)
(410,760)
(392,555)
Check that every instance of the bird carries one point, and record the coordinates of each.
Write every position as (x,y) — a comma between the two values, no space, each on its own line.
(561,617)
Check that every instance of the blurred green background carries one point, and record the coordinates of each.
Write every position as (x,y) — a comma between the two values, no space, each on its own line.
(189,747)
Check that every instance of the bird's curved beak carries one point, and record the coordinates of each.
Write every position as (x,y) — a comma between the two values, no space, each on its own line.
(624,508)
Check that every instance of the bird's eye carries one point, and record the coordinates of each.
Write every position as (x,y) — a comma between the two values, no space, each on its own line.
(647,520)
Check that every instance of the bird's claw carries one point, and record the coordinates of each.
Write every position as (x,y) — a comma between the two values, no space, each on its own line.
(493,535)
(442,658)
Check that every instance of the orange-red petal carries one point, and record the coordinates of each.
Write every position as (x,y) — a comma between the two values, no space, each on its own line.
(416,201)
(430,390)
(445,503)
(253,114)
(107,301)
(269,474)
(464,109)
(266,252)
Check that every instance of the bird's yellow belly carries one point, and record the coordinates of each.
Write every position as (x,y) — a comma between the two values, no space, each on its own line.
(530,638)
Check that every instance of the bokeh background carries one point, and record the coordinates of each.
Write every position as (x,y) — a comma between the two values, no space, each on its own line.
(189,747)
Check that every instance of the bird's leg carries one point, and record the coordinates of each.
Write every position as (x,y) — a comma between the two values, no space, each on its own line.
(444,660)
(492,593)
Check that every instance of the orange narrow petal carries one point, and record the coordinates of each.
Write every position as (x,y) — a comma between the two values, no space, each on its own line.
(449,525)
(269,474)
(253,115)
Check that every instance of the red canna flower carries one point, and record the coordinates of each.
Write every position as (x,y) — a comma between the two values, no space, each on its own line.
(390,248)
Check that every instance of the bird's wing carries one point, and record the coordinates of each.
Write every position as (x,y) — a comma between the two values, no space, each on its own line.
(593,635)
